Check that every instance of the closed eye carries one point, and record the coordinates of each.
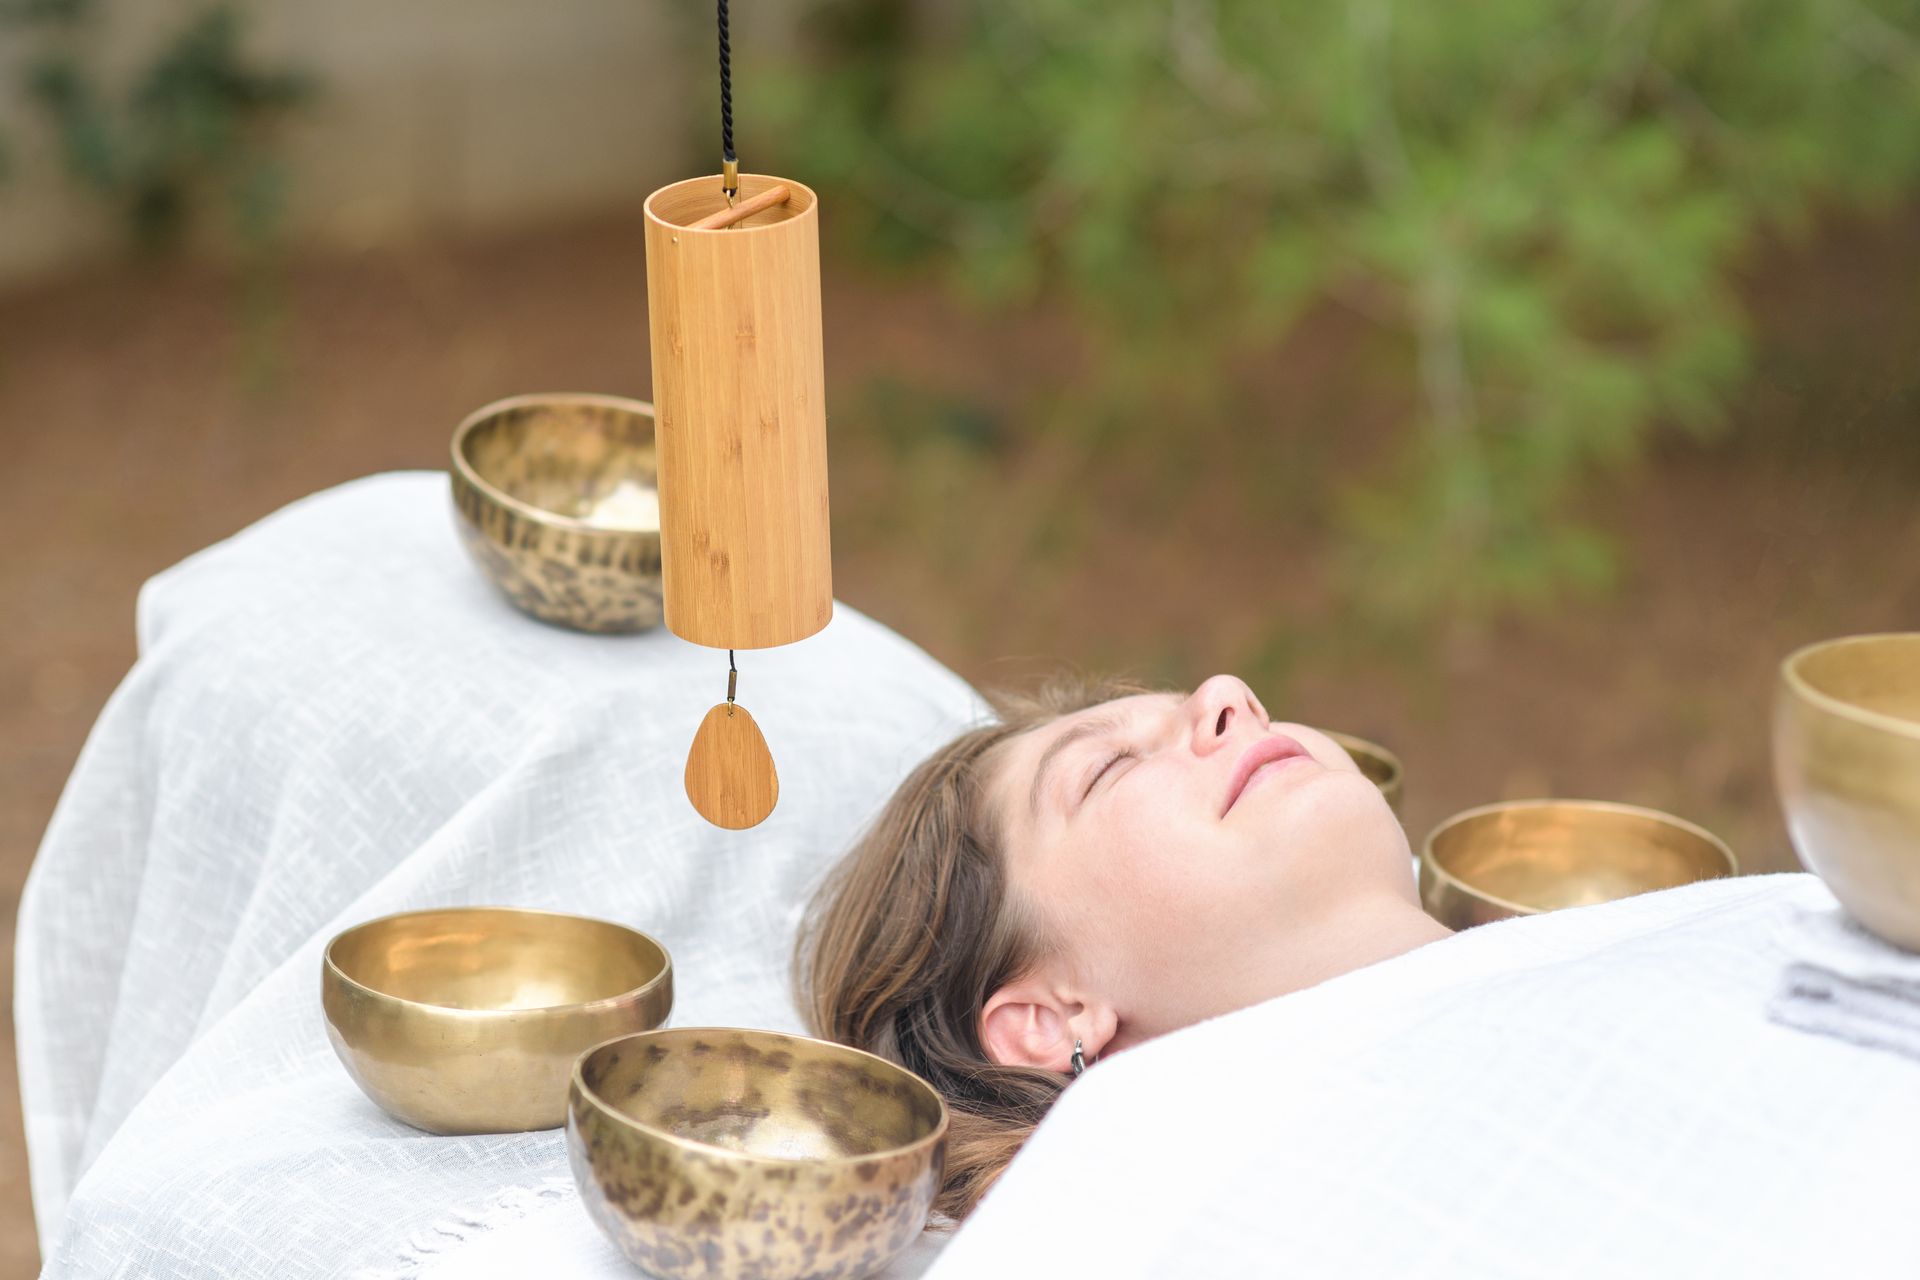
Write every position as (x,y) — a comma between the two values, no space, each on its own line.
(1117,757)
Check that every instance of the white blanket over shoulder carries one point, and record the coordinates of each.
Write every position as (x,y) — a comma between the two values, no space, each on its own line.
(333,717)
(1592,1093)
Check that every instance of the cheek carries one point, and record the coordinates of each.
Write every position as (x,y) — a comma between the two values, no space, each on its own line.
(1135,871)
(1155,919)
(1165,872)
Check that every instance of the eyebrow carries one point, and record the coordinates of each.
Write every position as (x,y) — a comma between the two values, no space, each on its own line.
(1086,728)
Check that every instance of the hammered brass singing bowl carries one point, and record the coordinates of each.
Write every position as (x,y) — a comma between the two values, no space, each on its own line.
(468,1020)
(1381,766)
(731,1154)
(1846,758)
(558,501)
(1528,856)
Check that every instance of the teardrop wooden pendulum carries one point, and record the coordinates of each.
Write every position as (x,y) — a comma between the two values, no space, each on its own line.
(730,775)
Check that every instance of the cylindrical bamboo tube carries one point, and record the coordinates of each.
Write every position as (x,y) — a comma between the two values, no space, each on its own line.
(739,396)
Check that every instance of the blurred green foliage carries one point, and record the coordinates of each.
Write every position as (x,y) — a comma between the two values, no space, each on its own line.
(1543,203)
(195,125)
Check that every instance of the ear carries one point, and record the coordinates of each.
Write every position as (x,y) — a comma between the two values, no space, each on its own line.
(1032,1023)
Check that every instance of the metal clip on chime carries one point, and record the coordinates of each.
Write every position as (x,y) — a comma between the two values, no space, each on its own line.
(739,382)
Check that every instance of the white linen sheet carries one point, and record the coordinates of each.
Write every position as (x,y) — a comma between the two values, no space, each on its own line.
(333,717)
(1596,1092)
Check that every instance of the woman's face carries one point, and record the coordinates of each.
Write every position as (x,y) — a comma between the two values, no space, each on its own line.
(1168,894)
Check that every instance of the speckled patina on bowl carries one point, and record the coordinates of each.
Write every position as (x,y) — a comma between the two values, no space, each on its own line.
(731,1154)
(558,503)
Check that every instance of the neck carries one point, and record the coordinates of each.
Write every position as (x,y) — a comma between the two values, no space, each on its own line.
(1360,934)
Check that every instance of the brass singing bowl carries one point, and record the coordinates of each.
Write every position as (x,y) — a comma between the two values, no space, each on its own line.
(1846,758)
(558,501)
(468,1020)
(730,1154)
(1528,856)
(1381,766)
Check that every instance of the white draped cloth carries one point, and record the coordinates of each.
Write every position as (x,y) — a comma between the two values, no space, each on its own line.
(333,717)
(1584,1095)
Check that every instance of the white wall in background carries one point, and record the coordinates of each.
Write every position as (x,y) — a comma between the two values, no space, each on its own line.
(433,115)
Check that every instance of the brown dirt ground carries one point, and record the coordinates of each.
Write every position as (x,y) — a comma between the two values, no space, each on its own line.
(129,444)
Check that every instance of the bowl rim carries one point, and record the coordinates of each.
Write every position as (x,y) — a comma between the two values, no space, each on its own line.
(1431,865)
(332,969)
(1791,675)
(736,231)
(1378,750)
(493,409)
(579,1085)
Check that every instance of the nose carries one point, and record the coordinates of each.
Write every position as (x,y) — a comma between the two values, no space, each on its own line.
(1218,706)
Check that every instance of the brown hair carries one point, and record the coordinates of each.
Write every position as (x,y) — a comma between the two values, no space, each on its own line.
(917,926)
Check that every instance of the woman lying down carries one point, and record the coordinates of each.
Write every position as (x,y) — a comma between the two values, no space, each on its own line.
(1109,863)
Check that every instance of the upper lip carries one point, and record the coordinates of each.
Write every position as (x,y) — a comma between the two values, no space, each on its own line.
(1276,746)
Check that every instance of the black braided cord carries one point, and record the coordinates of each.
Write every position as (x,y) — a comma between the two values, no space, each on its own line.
(726,88)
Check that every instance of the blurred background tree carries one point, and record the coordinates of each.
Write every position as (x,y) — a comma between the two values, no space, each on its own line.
(195,127)
(1542,205)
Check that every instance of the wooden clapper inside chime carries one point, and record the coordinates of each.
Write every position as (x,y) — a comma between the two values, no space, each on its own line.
(733,284)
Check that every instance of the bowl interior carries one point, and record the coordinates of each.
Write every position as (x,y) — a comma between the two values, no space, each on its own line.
(1541,857)
(584,458)
(497,958)
(761,1094)
(1879,675)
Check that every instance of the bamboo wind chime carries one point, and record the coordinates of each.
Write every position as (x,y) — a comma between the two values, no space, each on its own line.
(739,383)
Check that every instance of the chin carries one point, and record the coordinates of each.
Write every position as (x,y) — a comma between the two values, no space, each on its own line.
(1344,811)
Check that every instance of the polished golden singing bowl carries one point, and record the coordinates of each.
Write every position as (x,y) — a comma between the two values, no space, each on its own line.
(1846,757)
(558,498)
(1528,856)
(468,1020)
(728,1154)
(1380,765)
